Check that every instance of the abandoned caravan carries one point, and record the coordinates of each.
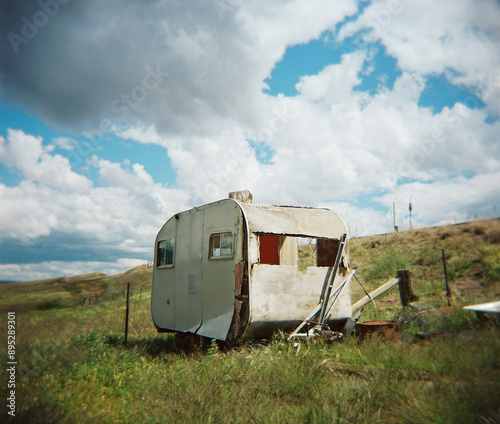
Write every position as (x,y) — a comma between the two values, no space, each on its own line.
(228,269)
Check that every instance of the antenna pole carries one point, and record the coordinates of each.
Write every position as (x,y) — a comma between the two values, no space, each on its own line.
(395,210)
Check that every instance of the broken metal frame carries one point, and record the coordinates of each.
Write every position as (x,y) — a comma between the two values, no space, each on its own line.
(325,298)
(360,304)
(320,326)
(325,292)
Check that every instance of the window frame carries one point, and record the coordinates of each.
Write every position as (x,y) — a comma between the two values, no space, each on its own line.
(329,250)
(211,247)
(158,261)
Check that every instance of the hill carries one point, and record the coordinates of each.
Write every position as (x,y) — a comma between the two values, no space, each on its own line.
(471,251)
(71,364)
(472,254)
(63,292)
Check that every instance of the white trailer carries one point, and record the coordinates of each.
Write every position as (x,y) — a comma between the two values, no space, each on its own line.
(228,269)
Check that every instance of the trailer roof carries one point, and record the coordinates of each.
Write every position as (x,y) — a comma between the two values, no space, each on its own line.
(292,220)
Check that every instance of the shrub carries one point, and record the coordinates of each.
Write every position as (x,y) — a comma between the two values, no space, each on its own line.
(49,304)
(457,267)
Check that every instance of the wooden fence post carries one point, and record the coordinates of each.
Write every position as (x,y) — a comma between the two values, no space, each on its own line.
(126,314)
(448,291)
(406,292)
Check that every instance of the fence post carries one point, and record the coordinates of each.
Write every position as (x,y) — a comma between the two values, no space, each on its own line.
(126,313)
(406,292)
(448,291)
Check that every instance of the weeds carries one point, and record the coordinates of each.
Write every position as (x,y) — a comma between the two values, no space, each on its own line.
(491,262)
(385,265)
(457,267)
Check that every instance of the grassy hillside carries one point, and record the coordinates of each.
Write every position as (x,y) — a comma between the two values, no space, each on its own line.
(67,292)
(72,365)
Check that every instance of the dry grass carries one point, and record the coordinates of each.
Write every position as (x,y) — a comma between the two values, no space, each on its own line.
(472,254)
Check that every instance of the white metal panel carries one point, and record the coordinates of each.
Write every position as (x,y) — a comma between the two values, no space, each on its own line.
(307,222)
(219,273)
(188,271)
(163,290)
(493,307)
(281,294)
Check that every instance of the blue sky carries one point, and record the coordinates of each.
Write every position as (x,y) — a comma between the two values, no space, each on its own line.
(350,106)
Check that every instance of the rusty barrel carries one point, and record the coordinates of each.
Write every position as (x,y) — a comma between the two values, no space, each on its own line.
(386,329)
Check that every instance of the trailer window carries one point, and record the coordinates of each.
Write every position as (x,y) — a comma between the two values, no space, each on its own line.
(221,245)
(165,253)
(269,249)
(317,252)
(326,252)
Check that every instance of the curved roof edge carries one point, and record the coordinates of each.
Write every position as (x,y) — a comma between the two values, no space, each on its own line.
(294,220)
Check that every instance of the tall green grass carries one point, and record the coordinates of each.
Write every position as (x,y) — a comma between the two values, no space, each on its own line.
(384,265)
(74,367)
(94,378)
(491,262)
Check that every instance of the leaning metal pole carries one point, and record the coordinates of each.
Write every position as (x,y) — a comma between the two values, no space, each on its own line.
(332,279)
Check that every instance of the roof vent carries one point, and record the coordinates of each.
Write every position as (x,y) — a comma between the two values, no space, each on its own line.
(242,196)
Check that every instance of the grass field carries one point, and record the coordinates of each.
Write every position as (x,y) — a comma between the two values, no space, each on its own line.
(72,365)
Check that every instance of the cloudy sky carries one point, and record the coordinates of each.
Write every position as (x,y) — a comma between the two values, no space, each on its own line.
(115,115)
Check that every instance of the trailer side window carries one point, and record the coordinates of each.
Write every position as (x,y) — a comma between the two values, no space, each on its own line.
(221,245)
(326,252)
(165,253)
(318,252)
(269,246)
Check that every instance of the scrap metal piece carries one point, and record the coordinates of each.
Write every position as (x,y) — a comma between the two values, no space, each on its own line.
(326,296)
(320,326)
(490,307)
(375,293)
(486,311)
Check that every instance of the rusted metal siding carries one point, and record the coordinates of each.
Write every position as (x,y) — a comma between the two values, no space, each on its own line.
(280,295)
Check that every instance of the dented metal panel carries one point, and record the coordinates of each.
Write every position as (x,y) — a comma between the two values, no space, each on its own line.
(281,297)
(197,293)
(307,222)
(219,272)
